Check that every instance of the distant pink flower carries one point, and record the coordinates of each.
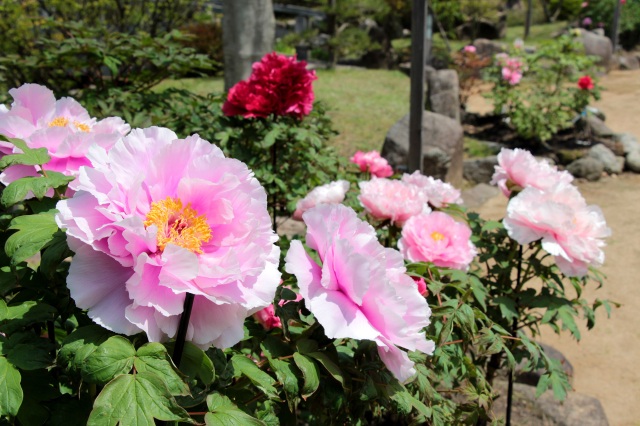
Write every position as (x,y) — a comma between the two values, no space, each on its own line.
(584,4)
(586,22)
(434,191)
(267,318)
(158,217)
(61,126)
(422,285)
(278,85)
(331,193)
(511,70)
(360,290)
(394,200)
(373,163)
(518,167)
(518,43)
(470,48)
(437,238)
(569,229)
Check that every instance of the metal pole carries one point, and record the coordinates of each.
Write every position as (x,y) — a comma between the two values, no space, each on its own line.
(616,26)
(418,60)
(527,24)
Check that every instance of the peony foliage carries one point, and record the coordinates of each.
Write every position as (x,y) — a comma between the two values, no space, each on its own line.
(142,281)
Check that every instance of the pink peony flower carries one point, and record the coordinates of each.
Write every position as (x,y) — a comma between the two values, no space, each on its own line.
(584,4)
(585,83)
(511,69)
(422,286)
(158,217)
(518,43)
(360,290)
(63,127)
(434,191)
(393,200)
(437,238)
(569,229)
(470,48)
(373,163)
(587,21)
(278,85)
(267,318)
(331,193)
(518,167)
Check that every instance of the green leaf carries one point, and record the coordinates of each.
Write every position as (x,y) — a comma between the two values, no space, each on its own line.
(54,253)
(23,315)
(112,358)
(28,157)
(195,363)
(17,190)
(329,365)
(77,346)
(244,366)
(34,232)
(271,137)
(223,412)
(153,358)
(309,372)
(10,390)
(27,351)
(135,400)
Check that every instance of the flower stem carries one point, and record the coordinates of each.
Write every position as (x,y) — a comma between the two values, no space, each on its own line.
(274,198)
(514,328)
(182,329)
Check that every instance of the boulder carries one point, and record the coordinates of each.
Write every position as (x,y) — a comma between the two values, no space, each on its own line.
(628,141)
(632,161)
(607,158)
(597,127)
(487,48)
(577,409)
(478,195)
(599,46)
(480,170)
(443,93)
(442,147)
(587,167)
(532,378)
(628,62)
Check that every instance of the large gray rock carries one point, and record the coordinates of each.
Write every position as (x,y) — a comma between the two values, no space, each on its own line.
(599,46)
(587,167)
(628,62)
(532,378)
(478,195)
(487,48)
(527,410)
(632,161)
(442,147)
(629,142)
(607,158)
(443,93)
(597,127)
(480,170)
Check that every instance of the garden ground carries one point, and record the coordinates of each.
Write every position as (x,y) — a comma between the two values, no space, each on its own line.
(604,359)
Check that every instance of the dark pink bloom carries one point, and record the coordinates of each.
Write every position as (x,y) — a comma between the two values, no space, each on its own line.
(422,285)
(585,82)
(587,21)
(267,317)
(373,163)
(470,48)
(279,85)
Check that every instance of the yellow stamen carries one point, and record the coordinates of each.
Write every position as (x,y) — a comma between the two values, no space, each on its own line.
(81,126)
(59,122)
(177,225)
(436,236)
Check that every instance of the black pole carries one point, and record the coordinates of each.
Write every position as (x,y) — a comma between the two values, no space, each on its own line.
(182,329)
(527,24)
(514,330)
(418,59)
(616,26)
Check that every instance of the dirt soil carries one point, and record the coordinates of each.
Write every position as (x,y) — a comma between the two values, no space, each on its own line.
(605,360)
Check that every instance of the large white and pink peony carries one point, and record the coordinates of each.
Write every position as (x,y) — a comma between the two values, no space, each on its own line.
(393,200)
(61,126)
(437,238)
(360,290)
(331,193)
(158,217)
(518,167)
(434,191)
(568,228)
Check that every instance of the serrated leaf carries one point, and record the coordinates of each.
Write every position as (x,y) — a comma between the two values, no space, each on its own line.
(34,232)
(28,157)
(153,358)
(17,190)
(244,366)
(223,412)
(113,357)
(10,389)
(135,400)
(309,372)
(195,363)
(77,346)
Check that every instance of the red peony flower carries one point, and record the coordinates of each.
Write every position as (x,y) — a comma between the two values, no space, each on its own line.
(585,82)
(278,85)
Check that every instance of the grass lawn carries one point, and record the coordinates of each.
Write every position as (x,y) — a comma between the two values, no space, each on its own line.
(537,33)
(363,104)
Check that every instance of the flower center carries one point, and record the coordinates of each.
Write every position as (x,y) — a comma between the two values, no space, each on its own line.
(81,126)
(178,225)
(437,236)
(59,122)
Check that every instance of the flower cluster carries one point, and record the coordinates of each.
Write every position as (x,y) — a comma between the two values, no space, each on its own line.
(278,85)
(373,163)
(433,191)
(331,193)
(157,217)
(547,207)
(360,290)
(511,70)
(61,126)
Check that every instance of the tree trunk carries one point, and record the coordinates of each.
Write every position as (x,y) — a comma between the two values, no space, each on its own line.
(248,32)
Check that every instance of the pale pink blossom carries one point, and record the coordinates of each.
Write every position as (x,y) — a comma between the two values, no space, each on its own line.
(470,48)
(61,126)
(360,290)
(331,193)
(584,4)
(568,228)
(519,168)
(393,200)
(158,217)
(434,191)
(373,163)
(437,238)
